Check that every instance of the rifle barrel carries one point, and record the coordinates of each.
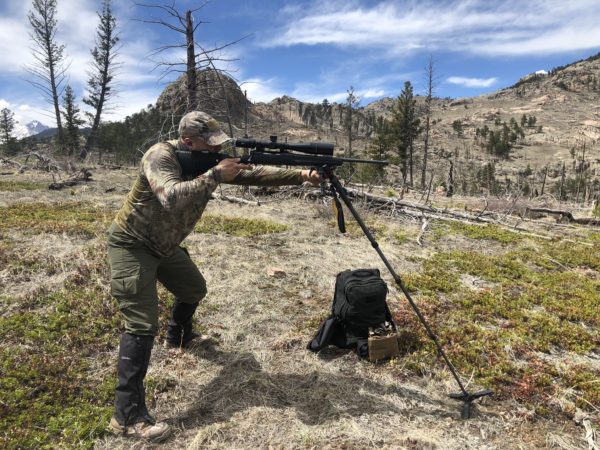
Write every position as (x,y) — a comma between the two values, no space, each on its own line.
(365,161)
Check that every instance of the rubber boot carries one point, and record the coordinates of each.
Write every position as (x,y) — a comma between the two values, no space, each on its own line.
(180,332)
(143,410)
(131,414)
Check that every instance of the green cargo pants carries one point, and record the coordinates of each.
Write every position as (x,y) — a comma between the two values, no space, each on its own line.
(134,270)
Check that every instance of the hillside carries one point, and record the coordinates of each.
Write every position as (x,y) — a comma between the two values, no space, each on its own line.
(516,312)
(514,301)
(563,105)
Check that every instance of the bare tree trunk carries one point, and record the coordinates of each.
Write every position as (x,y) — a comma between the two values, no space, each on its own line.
(245,113)
(428,98)
(561,193)
(544,180)
(429,188)
(349,132)
(48,55)
(351,103)
(450,187)
(61,137)
(191,63)
(410,155)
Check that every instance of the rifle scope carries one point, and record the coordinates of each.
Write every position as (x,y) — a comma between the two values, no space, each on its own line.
(313,148)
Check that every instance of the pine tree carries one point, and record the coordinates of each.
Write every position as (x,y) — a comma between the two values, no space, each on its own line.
(381,145)
(523,120)
(404,128)
(72,120)
(7,126)
(104,56)
(457,126)
(49,67)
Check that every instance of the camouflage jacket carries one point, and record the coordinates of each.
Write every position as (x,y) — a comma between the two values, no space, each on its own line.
(161,208)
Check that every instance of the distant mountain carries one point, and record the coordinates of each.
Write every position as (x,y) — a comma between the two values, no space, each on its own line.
(46,133)
(39,131)
(31,129)
(36,127)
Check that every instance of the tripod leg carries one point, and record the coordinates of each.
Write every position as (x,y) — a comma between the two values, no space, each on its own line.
(467,398)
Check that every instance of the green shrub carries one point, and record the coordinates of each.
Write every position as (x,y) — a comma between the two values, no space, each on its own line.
(237,226)
(74,218)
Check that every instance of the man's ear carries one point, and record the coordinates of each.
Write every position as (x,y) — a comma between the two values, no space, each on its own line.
(187,141)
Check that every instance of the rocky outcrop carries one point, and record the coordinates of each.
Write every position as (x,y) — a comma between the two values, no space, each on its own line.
(324,117)
(210,87)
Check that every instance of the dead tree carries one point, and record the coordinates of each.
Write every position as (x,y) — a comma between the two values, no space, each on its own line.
(44,162)
(352,102)
(544,179)
(191,61)
(198,59)
(443,154)
(431,84)
(83,175)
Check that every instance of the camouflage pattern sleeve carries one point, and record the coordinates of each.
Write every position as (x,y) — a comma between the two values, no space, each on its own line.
(268,176)
(163,172)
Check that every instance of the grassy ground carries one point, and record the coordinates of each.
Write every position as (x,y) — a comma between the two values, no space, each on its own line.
(516,314)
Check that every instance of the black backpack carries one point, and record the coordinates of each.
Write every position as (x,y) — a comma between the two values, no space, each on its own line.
(359,303)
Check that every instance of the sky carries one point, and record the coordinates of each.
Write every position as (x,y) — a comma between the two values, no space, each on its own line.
(309,49)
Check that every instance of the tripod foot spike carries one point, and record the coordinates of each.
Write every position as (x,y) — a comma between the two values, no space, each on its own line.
(468,399)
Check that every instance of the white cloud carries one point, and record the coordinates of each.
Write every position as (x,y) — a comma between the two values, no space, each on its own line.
(473,82)
(14,45)
(4,104)
(262,90)
(332,97)
(477,26)
(371,93)
(133,101)
(25,113)
(265,90)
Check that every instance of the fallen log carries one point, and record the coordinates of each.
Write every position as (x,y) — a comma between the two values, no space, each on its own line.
(564,215)
(555,212)
(20,168)
(83,175)
(422,212)
(402,204)
(234,199)
(9,162)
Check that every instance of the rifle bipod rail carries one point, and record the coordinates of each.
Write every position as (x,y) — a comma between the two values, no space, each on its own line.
(338,191)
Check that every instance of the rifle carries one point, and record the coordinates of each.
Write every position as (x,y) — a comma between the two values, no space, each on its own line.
(268,153)
(318,156)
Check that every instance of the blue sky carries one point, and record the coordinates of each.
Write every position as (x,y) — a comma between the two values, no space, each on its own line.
(313,50)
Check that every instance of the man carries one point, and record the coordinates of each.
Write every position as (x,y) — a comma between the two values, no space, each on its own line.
(143,246)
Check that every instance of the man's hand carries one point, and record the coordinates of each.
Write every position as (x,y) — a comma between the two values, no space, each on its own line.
(229,168)
(312,176)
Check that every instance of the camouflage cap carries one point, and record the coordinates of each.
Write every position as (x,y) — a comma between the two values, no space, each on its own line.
(198,123)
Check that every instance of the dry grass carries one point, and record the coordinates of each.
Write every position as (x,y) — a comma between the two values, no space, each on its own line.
(250,383)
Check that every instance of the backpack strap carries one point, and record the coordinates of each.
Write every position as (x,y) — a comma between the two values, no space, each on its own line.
(324,334)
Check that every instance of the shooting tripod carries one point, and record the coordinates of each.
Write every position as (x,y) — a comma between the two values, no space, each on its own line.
(338,191)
